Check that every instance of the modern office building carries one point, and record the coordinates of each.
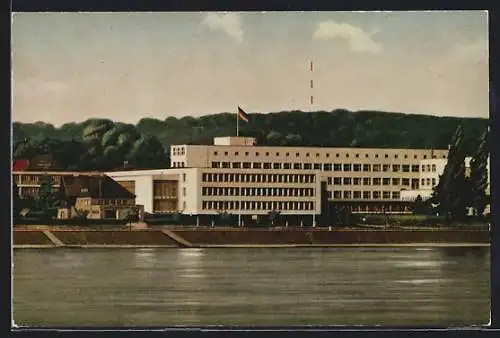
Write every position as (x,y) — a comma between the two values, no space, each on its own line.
(430,171)
(237,176)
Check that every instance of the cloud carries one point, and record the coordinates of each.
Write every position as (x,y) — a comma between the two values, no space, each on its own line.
(229,23)
(359,40)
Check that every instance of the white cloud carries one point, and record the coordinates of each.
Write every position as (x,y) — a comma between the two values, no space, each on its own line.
(359,40)
(229,23)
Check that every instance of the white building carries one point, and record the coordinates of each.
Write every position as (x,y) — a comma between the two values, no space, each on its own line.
(235,175)
(430,171)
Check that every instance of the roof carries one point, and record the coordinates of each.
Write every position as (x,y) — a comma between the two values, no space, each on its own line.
(102,187)
(20,165)
(43,162)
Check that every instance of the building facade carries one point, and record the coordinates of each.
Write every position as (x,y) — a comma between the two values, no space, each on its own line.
(28,182)
(96,197)
(237,176)
(430,172)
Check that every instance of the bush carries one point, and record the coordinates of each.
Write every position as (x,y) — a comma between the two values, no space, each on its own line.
(404,220)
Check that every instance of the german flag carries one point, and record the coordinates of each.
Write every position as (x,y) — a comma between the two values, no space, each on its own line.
(242,115)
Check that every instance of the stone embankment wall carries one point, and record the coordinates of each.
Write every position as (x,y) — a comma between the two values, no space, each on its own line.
(238,237)
(267,237)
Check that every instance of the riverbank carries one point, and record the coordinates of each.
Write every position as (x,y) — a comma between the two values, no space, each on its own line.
(51,237)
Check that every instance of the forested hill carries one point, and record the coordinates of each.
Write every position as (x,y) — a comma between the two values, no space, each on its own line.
(338,128)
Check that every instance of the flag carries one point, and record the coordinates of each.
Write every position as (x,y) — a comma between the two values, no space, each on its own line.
(242,115)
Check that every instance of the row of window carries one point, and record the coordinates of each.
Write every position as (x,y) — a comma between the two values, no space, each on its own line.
(257,205)
(178,164)
(429,181)
(297,154)
(366,195)
(373,181)
(34,179)
(178,151)
(88,201)
(406,168)
(233,191)
(160,205)
(258,178)
(389,208)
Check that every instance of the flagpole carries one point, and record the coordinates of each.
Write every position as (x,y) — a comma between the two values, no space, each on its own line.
(239,188)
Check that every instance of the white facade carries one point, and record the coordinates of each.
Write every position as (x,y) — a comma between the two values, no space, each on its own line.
(211,191)
(143,183)
(253,180)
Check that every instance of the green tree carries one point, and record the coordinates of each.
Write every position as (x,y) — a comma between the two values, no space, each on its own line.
(16,201)
(147,152)
(479,175)
(273,216)
(418,205)
(421,206)
(451,192)
(46,197)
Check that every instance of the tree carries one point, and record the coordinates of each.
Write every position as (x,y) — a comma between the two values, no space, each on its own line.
(451,192)
(45,195)
(16,201)
(418,205)
(147,152)
(273,216)
(421,207)
(479,175)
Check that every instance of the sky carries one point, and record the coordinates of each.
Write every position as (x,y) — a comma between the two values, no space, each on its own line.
(68,67)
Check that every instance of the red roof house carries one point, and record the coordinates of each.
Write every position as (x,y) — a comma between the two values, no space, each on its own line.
(20,165)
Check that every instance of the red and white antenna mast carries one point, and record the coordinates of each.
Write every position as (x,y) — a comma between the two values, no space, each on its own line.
(311,99)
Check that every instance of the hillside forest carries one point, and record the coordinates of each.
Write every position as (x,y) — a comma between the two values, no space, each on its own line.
(102,144)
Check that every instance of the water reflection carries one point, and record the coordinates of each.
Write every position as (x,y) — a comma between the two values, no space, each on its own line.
(145,258)
(189,263)
(251,286)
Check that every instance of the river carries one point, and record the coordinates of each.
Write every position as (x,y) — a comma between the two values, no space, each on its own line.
(167,287)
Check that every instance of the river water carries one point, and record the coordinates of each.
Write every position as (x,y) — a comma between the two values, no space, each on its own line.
(167,287)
